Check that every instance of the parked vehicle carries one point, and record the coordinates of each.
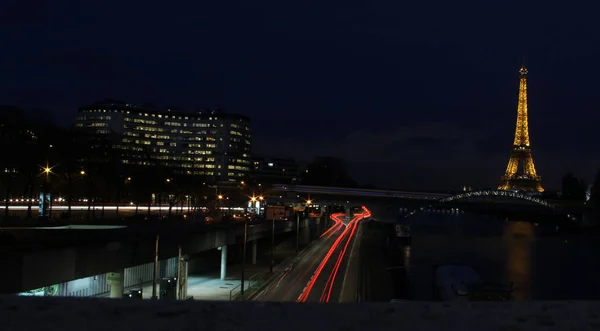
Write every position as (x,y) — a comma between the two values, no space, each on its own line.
(454,282)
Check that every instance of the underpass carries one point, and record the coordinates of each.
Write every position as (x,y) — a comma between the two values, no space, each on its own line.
(40,257)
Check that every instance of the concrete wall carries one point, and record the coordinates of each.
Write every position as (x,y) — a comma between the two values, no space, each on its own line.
(205,261)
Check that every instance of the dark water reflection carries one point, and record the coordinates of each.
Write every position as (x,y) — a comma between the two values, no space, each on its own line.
(542,264)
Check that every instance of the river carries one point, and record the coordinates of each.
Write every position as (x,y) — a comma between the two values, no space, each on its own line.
(542,264)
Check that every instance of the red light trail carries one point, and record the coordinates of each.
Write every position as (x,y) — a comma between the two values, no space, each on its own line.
(347,234)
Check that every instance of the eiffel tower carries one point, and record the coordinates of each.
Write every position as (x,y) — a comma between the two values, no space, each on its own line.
(520,173)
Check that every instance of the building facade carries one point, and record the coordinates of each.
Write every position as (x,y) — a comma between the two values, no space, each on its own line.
(271,170)
(212,143)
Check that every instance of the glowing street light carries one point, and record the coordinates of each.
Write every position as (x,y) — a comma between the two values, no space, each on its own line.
(168,180)
(82,172)
(47,170)
(220,197)
(260,198)
(253,199)
(308,202)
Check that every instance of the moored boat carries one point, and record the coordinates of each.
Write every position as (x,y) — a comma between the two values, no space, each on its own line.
(455,282)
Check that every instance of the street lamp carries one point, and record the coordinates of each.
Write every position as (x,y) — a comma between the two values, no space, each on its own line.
(273,243)
(297,231)
(82,172)
(45,199)
(47,171)
(244,253)
(219,204)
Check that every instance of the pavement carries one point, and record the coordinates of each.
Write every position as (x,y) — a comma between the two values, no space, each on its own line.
(209,287)
(206,287)
(318,273)
(59,314)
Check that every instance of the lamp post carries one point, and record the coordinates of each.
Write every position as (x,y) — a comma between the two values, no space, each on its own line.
(273,242)
(219,204)
(155,275)
(45,199)
(297,231)
(272,245)
(244,253)
(308,202)
(253,204)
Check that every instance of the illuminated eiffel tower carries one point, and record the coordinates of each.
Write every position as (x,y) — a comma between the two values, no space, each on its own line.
(520,173)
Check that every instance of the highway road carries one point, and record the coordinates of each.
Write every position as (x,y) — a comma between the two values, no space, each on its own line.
(318,272)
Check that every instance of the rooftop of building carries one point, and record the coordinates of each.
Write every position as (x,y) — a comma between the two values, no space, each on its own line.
(198,113)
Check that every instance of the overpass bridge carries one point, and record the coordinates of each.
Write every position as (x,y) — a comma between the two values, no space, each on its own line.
(356,192)
(36,257)
(419,201)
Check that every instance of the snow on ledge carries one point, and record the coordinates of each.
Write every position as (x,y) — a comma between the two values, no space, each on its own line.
(28,313)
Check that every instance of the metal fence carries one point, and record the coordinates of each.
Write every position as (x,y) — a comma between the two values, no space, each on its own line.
(135,277)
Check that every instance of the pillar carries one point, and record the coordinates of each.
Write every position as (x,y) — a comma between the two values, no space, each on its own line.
(116,281)
(223,262)
(306,232)
(407,253)
(182,280)
(185,284)
(254,251)
(318,223)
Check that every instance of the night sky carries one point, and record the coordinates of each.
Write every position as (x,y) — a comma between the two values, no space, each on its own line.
(418,95)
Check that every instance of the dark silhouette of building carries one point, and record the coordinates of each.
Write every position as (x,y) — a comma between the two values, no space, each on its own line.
(327,171)
(272,170)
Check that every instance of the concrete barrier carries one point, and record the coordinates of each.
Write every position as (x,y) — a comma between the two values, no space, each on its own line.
(19,313)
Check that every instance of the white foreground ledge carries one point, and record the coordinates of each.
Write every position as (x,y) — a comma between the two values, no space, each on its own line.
(60,314)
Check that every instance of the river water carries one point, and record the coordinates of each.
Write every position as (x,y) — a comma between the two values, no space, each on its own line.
(541,263)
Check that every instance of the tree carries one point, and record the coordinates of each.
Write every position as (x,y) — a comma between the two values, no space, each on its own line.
(68,156)
(573,189)
(595,191)
(23,148)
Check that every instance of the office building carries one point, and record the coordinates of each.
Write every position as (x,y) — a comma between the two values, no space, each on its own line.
(211,143)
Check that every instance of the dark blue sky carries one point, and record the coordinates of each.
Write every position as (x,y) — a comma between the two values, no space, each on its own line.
(412,95)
